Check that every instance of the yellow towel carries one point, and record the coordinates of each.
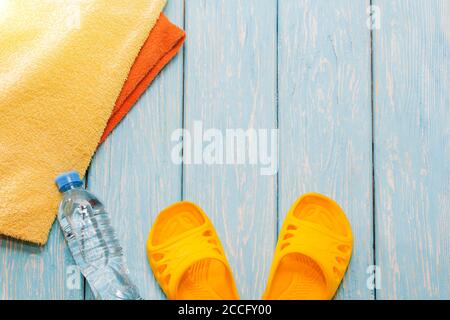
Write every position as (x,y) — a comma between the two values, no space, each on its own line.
(62,66)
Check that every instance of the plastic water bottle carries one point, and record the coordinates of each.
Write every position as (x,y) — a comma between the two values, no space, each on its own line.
(92,241)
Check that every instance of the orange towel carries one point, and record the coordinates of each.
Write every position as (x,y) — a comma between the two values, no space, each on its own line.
(162,45)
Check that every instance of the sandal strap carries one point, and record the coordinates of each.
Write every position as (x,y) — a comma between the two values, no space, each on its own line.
(171,261)
(329,250)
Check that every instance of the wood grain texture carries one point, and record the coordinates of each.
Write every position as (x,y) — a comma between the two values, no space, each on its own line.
(412,144)
(31,272)
(230,83)
(325,117)
(316,56)
(133,173)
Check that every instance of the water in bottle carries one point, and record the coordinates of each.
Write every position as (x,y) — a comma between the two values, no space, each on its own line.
(92,241)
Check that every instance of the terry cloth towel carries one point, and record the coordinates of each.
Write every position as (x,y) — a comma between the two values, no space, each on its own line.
(162,45)
(60,76)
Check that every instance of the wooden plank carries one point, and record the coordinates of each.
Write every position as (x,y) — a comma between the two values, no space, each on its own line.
(325,117)
(31,272)
(230,74)
(412,149)
(133,173)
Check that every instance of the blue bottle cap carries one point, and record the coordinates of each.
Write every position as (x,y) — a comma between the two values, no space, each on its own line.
(63,181)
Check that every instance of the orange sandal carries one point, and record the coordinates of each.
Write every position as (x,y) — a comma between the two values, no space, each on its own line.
(313,251)
(187,257)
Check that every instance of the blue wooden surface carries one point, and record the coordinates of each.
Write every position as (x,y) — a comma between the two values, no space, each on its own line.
(313,69)
(133,172)
(230,83)
(412,149)
(325,117)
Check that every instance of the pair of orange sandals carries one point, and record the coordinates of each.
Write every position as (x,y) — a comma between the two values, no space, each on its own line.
(311,257)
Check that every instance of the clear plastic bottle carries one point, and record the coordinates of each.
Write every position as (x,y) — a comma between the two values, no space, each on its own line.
(92,241)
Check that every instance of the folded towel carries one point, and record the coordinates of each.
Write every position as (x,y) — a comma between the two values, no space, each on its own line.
(62,68)
(161,46)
